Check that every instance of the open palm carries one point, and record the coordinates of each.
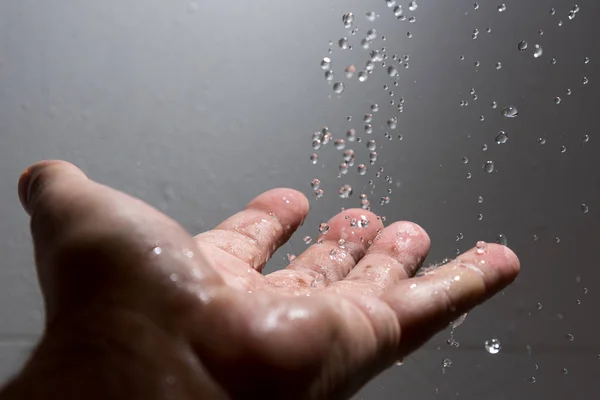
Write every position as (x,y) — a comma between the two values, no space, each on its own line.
(340,313)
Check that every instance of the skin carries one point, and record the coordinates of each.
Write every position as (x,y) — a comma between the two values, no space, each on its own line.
(137,308)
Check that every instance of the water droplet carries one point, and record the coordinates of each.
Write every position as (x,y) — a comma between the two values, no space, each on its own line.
(465,160)
(560,23)
(538,306)
(315,183)
(349,155)
(522,46)
(468,175)
(371,145)
(343,43)
(501,239)
(586,60)
(557,239)
(373,157)
(476,6)
(553,61)
(314,158)
(446,363)
(398,11)
(493,346)
(351,135)
(326,63)
(156,251)
(348,19)
(481,246)
(307,239)
(390,3)
(563,149)
(370,16)
(349,71)
(392,71)
(541,141)
(585,80)
(541,32)
(570,337)
(340,144)
(484,147)
(488,166)
(585,208)
(323,228)
(319,193)
(510,112)
(329,75)
(412,6)
(362,169)
(498,65)
(368,129)
(475,34)
(502,7)
(501,138)
(362,76)
(586,138)
(557,100)
(409,34)
(345,191)
(532,379)
(338,87)
(537,51)
(343,168)
(392,122)
(569,92)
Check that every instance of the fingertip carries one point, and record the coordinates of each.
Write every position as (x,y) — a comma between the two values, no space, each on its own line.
(507,260)
(36,176)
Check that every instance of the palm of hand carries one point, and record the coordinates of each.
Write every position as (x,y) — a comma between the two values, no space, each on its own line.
(343,311)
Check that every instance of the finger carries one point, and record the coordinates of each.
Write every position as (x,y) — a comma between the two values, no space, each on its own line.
(396,253)
(267,222)
(338,250)
(87,237)
(428,303)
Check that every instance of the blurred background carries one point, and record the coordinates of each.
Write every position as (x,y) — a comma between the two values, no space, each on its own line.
(483,117)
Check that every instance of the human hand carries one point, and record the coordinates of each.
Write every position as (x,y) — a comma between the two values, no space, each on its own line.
(138,308)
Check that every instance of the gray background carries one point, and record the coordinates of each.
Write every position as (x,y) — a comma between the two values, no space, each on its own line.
(197,107)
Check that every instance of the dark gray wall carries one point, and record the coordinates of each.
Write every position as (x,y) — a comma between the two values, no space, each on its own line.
(197,107)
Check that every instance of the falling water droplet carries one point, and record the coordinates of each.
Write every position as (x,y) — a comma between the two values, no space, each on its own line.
(532,379)
(502,7)
(563,149)
(362,76)
(315,183)
(585,208)
(329,75)
(371,145)
(412,6)
(338,87)
(343,43)
(348,19)
(570,337)
(392,122)
(476,6)
(541,141)
(362,169)
(522,46)
(585,80)
(501,239)
(323,228)
(537,51)
(510,112)
(488,166)
(349,71)
(557,100)
(340,144)
(446,363)
(493,346)
(498,65)
(390,3)
(345,191)
(326,63)
(314,158)
(307,240)
(465,160)
(392,71)
(501,138)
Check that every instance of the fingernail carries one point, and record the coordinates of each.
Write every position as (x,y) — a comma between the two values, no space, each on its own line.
(23,188)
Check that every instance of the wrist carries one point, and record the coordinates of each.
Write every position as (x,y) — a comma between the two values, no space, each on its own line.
(120,355)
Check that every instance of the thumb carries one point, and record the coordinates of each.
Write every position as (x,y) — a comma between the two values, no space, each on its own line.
(94,244)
